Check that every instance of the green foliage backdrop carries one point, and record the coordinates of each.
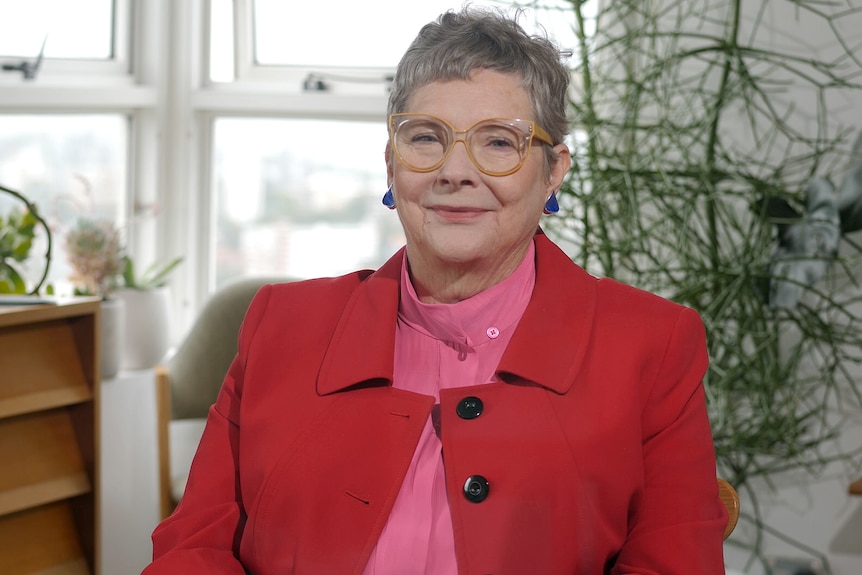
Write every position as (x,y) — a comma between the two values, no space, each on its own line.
(701,142)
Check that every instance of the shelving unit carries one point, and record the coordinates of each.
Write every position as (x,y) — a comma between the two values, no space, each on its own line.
(49,406)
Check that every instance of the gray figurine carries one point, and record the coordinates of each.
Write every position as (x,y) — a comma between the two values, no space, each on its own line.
(808,246)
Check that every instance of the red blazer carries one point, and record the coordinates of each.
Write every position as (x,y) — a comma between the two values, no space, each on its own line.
(595,442)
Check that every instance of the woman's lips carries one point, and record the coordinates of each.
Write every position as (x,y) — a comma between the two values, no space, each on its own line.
(458,214)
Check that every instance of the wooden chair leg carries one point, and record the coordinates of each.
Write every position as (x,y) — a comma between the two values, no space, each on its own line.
(163,418)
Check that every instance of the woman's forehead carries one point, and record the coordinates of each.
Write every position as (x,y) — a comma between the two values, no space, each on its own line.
(486,94)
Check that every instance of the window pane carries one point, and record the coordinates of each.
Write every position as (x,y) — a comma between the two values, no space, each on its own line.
(221,41)
(300,198)
(346,33)
(74,29)
(69,166)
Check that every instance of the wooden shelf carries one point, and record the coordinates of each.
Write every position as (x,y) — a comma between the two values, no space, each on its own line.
(856,487)
(48,465)
(41,367)
(49,403)
(42,541)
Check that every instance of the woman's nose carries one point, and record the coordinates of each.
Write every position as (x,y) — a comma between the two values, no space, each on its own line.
(458,167)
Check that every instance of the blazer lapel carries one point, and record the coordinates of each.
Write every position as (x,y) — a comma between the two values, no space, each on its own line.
(550,344)
(362,347)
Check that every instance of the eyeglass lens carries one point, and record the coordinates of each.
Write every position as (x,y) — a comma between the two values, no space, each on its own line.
(494,146)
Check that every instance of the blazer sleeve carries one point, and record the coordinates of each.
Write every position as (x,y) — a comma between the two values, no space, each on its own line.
(204,532)
(678,520)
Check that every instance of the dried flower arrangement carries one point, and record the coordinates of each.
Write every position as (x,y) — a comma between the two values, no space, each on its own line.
(95,250)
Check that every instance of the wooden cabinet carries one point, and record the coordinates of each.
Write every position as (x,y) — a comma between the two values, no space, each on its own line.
(49,401)
(856,487)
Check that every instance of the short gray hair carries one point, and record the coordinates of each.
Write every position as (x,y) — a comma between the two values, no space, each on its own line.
(457,43)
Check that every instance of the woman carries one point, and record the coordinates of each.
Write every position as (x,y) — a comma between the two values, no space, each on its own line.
(477,405)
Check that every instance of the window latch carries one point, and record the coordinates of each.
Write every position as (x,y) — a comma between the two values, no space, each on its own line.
(28,68)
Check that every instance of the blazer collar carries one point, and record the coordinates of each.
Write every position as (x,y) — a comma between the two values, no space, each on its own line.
(362,348)
(548,347)
(550,344)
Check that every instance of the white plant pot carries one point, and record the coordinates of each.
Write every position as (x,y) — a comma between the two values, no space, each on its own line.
(147,329)
(111,328)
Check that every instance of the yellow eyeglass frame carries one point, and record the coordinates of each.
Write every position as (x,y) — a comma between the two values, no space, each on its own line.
(534,131)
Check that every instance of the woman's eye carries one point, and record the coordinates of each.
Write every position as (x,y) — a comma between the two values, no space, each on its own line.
(497,138)
(423,133)
(501,143)
(425,138)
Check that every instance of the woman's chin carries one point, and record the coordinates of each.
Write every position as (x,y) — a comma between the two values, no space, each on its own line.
(459,249)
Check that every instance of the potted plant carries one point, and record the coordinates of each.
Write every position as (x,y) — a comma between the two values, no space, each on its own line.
(148,307)
(95,252)
(18,231)
(154,276)
(700,177)
(94,249)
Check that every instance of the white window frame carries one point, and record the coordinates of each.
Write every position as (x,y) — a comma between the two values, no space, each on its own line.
(114,70)
(369,81)
(198,103)
(129,84)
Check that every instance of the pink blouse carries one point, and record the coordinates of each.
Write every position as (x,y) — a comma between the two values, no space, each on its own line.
(442,346)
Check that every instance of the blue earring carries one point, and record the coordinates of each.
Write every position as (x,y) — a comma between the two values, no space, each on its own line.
(552,206)
(389,199)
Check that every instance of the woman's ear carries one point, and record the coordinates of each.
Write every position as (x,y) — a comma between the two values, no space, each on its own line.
(387,152)
(560,168)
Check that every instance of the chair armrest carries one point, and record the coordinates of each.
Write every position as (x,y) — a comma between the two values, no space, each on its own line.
(163,419)
(730,499)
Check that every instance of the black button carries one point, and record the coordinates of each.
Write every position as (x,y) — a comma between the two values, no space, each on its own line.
(469,408)
(476,488)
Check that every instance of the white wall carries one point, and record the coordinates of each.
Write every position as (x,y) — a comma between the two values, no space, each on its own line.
(817,512)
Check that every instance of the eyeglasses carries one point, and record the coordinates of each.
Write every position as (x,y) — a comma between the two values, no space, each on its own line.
(497,146)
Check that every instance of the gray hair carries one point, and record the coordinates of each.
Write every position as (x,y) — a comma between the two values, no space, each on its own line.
(458,43)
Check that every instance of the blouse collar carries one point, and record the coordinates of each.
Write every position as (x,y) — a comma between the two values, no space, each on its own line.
(477,319)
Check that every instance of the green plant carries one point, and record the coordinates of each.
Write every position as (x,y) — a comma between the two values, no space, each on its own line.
(95,251)
(17,233)
(153,276)
(695,160)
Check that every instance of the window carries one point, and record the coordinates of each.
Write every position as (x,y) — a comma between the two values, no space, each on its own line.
(69,30)
(289,196)
(69,165)
(300,197)
(209,111)
(65,139)
(275,40)
(64,36)
(361,37)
